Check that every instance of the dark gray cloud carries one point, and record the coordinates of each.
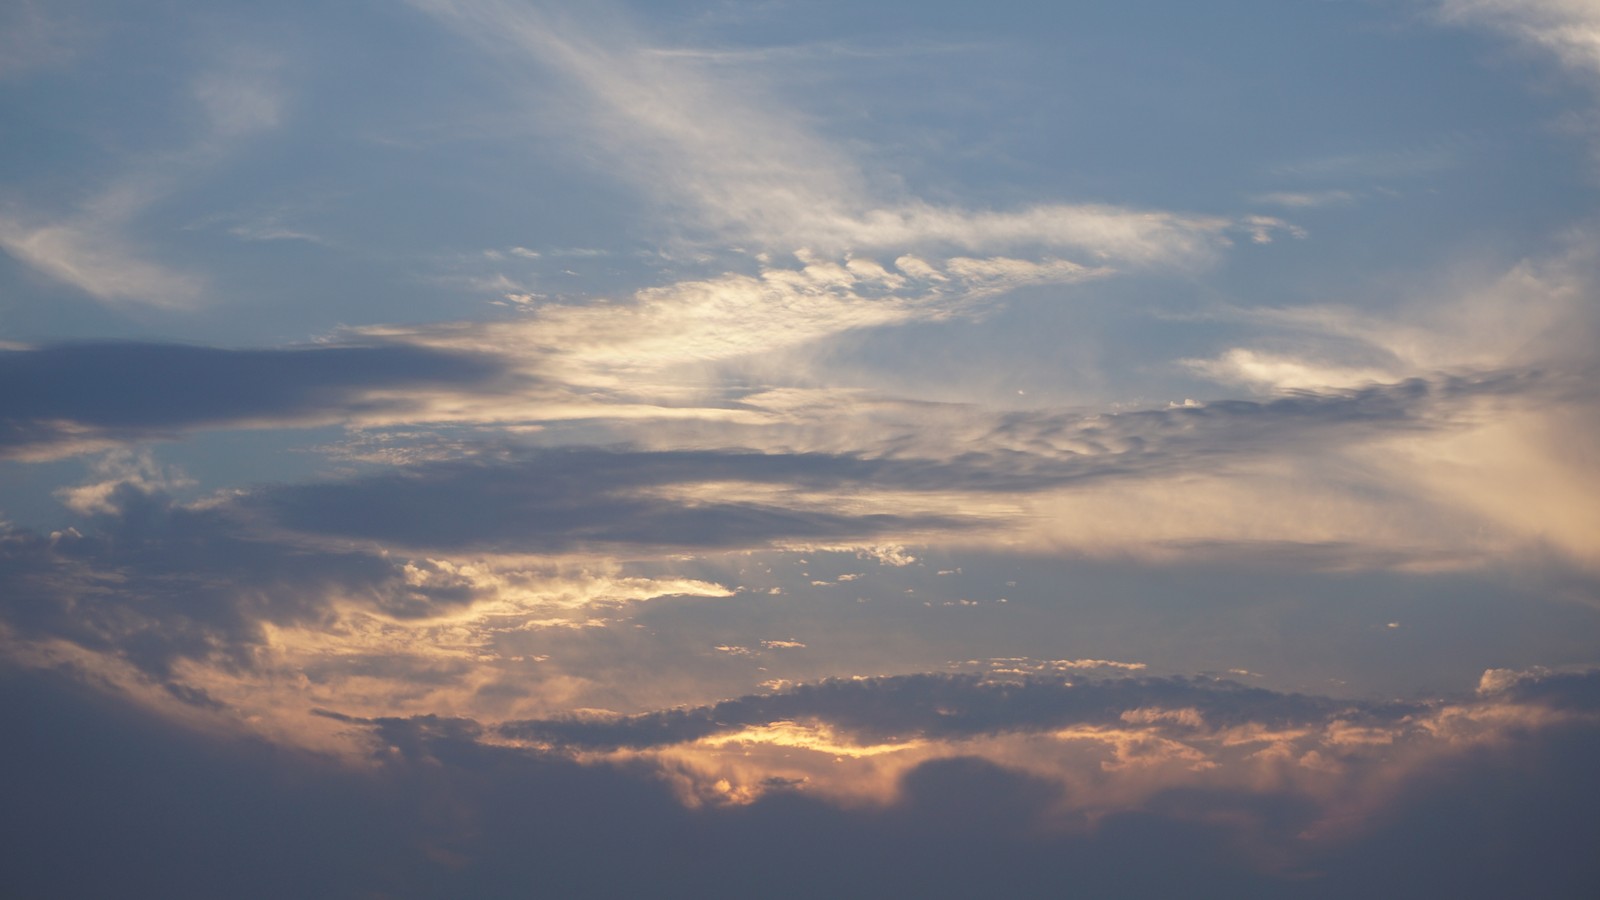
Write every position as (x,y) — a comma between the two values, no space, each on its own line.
(154,581)
(68,392)
(551,500)
(1558,690)
(118,803)
(1156,440)
(948,706)
(558,498)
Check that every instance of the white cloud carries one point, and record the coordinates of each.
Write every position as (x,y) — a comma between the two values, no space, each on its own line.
(1569,29)
(119,470)
(1537,312)
(1306,199)
(665,343)
(95,257)
(1282,372)
(707,140)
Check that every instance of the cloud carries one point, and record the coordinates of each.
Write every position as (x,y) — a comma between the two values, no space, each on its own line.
(407,587)
(1537,312)
(67,397)
(573,498)
(1536,318)
(94,257)
(33,37)
(1306,199)
(1568,29)
(1104,748)
(190,608)
(155,582)
(711,142)
(1196,479)
(119,471)
(557,499)
(669,347)
(1285,372)
(92,247)
(1301,795)
(895,710)
(441,807)
(242,96)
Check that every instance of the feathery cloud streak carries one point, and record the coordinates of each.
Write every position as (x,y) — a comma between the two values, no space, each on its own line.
(752,173)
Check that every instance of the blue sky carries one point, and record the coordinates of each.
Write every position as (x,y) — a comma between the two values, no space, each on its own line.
(477,383)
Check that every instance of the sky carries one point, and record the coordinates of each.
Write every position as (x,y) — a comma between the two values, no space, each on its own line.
(478,448)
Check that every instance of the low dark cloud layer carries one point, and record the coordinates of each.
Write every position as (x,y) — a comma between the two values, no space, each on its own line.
(444,814)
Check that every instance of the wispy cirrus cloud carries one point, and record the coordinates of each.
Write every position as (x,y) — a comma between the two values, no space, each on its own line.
(93,245)
(1306,199)
(708,141)
(1569,29)
(91,254)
